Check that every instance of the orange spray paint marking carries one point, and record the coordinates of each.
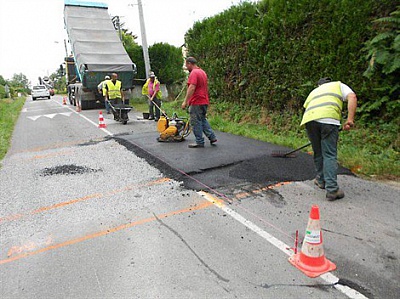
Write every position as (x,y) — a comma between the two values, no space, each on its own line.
(202,205)
(80,199)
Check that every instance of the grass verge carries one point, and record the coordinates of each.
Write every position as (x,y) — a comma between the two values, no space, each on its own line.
(9,112)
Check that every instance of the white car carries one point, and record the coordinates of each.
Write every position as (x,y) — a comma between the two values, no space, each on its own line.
(40,91)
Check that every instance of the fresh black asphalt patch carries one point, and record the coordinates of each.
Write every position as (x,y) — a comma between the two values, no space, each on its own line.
(233,160)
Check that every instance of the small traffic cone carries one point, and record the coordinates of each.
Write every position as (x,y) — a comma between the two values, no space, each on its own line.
(64,100)
(102,124)
(311,259)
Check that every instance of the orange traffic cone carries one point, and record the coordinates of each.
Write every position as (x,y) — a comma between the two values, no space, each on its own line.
(102,124)
(64,100)
(311,260)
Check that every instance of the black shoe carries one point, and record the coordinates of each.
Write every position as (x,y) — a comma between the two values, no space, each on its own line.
(156,119)
(213,141)
(150,118)
(195,145)
(338,194)
(108,112)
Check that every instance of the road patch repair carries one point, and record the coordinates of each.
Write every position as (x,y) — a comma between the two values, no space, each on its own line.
(233,160)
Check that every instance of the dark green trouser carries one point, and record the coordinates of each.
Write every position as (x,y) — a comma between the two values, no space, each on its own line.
(324,140)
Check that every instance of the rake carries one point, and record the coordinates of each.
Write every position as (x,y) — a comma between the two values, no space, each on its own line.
(281,154)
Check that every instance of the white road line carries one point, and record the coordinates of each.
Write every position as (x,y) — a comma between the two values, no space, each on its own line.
(327,277)
(84,117)
(51,116)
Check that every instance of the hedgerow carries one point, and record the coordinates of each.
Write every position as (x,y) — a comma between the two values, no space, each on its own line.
(270,54)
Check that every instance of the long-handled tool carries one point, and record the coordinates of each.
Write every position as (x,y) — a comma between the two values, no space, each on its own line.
(158,107)
(280,154)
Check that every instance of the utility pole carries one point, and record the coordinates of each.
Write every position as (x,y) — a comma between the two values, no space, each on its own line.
(144,40)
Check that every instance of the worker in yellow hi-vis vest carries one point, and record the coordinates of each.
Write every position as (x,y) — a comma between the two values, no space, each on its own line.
(114,92)
(151,89)
(322,119)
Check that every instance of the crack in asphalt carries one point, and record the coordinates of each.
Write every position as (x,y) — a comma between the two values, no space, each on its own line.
(191,249)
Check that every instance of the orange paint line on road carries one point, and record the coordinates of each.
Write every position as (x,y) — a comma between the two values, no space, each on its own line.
(203,205)
(63,153)
(257,191)
(57,145)
(80,199)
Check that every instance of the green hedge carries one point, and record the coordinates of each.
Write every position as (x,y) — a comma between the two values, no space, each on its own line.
(270,54)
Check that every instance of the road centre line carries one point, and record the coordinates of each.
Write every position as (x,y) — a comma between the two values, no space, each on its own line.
(81,199)
(200,206)
(327,277)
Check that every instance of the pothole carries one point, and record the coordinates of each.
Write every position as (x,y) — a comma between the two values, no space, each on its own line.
(70,169)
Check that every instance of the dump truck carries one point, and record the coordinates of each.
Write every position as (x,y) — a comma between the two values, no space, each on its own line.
(97,51)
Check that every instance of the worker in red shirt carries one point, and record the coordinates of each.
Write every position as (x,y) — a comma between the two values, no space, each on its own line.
(197,100)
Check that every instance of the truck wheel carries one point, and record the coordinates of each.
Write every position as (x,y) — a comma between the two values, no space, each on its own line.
(85,105)
(49,97)
(33,99)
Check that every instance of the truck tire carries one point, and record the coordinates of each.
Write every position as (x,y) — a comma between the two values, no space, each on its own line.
(33,99)
(85,105)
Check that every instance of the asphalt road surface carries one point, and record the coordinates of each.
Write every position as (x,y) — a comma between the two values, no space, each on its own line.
(110,213)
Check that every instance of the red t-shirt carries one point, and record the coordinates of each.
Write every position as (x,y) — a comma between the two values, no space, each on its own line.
(198,77)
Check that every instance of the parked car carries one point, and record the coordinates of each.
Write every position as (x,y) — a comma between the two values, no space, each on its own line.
(40,91)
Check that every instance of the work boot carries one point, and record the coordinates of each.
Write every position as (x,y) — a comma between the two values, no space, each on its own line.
(213,141)
(195,145)
(338,194)
(320,185)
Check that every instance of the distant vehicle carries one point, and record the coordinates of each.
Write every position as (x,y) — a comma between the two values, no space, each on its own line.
(40,91)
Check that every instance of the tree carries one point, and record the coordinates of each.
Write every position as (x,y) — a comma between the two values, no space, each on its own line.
(384,66)
(2,80)
(60,82)
(134,51)
(166,62)
(19,83)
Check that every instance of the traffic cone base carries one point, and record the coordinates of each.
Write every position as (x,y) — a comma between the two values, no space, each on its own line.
(311,259)
(311,266)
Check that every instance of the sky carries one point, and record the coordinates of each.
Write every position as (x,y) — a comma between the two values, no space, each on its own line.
(32,32)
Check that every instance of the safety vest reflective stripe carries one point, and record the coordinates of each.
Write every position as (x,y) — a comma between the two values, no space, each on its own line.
(114,91)
(323,102)
(327,94)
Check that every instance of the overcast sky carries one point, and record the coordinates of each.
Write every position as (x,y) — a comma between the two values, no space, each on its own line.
(32,31)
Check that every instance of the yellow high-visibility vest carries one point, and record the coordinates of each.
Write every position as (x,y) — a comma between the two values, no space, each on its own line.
(324,102)
(114,91)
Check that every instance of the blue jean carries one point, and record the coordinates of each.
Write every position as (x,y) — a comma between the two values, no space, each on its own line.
(324,138)
(200,124)
(107,106)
